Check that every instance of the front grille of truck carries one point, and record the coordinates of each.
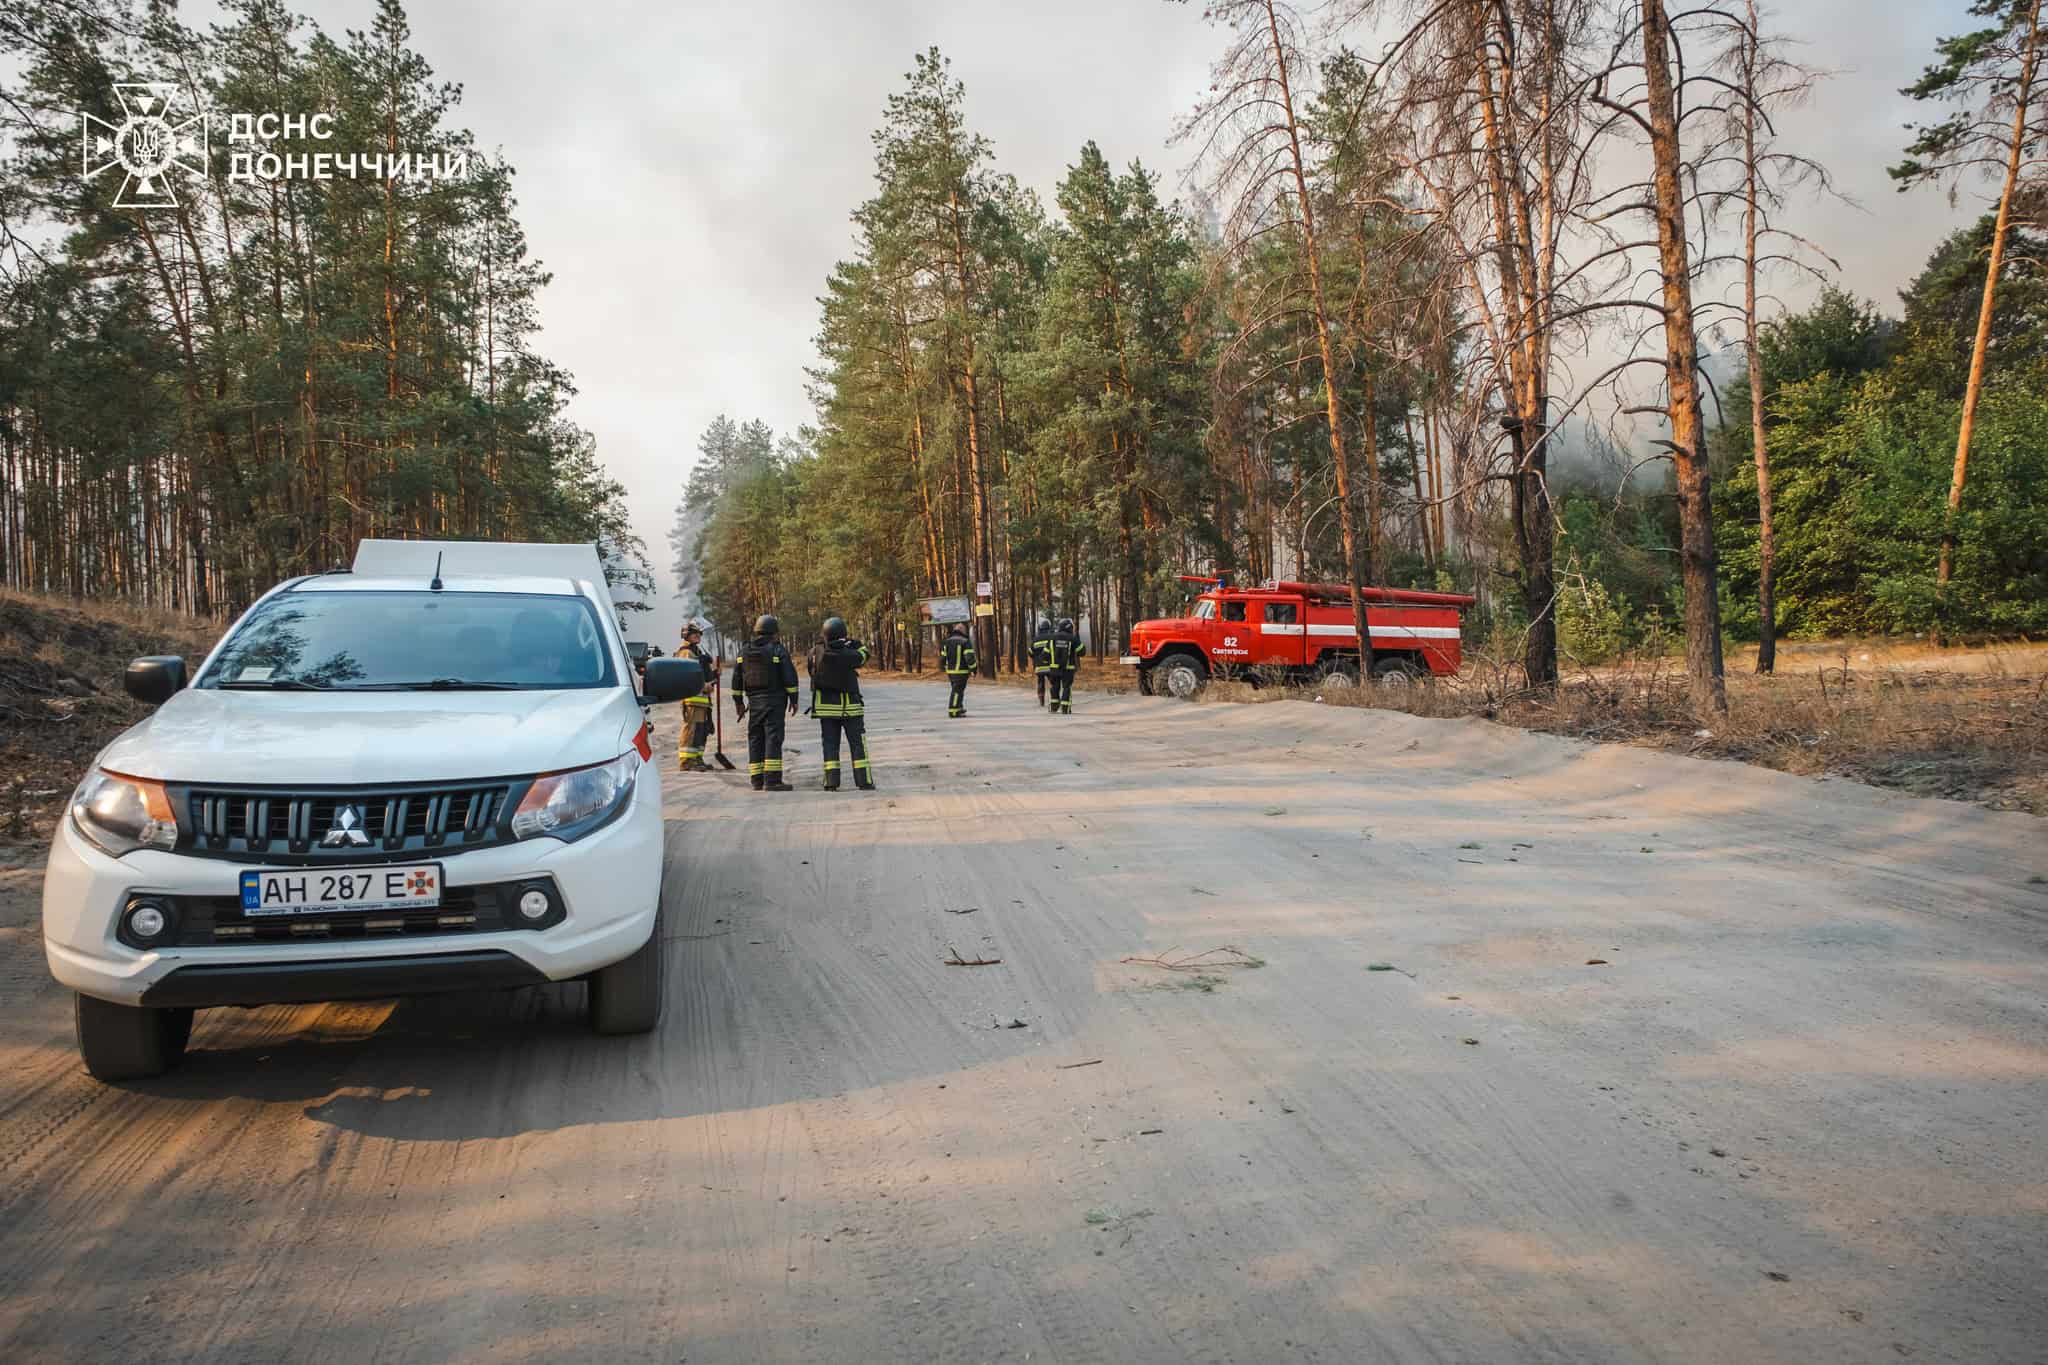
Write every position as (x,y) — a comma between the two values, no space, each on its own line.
(281,825)
(204,921)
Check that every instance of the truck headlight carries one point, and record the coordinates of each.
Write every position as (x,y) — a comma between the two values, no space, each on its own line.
(120,814)
(568,805)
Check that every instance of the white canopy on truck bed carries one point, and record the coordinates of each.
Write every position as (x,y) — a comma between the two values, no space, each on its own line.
(490,558)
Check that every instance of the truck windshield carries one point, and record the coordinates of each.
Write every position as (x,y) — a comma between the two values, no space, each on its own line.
(415,640)
(1204,609)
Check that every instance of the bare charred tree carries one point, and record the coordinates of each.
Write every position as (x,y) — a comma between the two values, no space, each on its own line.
(1645,87)
(1500,148)
(1995,73)
(1681,366)
(1249,132)
(1762,82)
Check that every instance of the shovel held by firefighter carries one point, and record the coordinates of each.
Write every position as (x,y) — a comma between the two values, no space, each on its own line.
(718,714)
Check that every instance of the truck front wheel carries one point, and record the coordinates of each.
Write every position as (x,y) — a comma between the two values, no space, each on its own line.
(1182,675)
(626,997)
(128,1042)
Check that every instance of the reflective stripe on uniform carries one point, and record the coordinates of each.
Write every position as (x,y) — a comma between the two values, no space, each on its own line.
(755,769)
(773,765)
(831,765)
(858,763)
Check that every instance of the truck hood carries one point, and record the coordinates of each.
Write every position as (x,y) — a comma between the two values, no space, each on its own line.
(340,738)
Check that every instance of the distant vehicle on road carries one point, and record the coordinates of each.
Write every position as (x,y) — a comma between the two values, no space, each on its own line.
(1299,632)
(429,773)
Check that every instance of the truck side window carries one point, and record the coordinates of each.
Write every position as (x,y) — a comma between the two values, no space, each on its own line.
(1233,611)
(1280,613)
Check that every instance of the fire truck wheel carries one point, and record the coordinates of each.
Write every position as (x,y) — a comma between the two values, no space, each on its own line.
(1182,676)
(1145,688)
(1338,674)
(1396,673)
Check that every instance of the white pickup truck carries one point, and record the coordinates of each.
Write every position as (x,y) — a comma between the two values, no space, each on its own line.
(431,772)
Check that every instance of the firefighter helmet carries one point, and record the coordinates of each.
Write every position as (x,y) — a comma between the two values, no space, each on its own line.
(1067,625)
(835,628)
(767,625)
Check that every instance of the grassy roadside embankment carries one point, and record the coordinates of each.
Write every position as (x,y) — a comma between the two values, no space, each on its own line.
(1962,724)
(61,697)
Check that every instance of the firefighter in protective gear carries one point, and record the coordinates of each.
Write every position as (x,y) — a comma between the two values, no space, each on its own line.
(1041,654)
(697,710)
(836,702)
(764,683)
(1067,650)
(958,658)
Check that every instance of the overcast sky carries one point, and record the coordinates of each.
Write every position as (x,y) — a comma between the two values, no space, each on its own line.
(687,170)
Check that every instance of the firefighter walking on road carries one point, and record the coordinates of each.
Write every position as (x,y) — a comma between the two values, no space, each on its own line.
(836,702)
(764,683)
(1041,654)
(698,710)
(958,657)
(1066,650)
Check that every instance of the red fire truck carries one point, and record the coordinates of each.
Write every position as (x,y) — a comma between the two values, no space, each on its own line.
(1297,632)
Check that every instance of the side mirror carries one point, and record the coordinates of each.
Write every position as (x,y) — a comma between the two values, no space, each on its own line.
(155,679)
(671,679)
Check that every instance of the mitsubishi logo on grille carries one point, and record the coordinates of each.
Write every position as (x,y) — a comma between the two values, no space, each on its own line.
(348,830)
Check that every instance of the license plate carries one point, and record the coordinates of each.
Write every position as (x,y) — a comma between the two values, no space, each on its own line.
(333,890)
(1130,659)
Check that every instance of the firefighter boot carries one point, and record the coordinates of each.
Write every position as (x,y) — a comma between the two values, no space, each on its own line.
(760,782)
(831,776)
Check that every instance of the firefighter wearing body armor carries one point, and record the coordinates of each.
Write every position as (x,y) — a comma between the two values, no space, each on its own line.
(1066,650)
(764,683)
(958,658)
(836,702)
(1041,654)
(697,710)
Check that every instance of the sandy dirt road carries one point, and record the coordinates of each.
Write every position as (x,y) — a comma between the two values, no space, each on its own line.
(1797,1116)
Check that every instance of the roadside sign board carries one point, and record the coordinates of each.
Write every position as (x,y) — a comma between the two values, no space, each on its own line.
(985,609)
(984,590)
(944,611)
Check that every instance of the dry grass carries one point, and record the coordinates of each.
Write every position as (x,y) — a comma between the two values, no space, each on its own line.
(1976,730)
(61,697)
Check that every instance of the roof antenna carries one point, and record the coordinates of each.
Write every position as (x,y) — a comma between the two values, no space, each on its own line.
(435,586)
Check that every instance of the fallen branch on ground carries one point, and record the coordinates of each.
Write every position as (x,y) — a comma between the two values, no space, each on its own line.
(958,961)
(1232,957)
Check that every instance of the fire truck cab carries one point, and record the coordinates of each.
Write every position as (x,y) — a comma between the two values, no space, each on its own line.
(1298,632)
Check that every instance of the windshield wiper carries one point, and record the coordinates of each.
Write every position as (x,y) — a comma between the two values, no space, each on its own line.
(274,685)
(449,685)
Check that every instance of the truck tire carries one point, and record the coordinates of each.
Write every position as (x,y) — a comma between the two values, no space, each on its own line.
(1145,688)
(128,1042)
(1339,674)
(1182,675)
(626,997)
(1398,672)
